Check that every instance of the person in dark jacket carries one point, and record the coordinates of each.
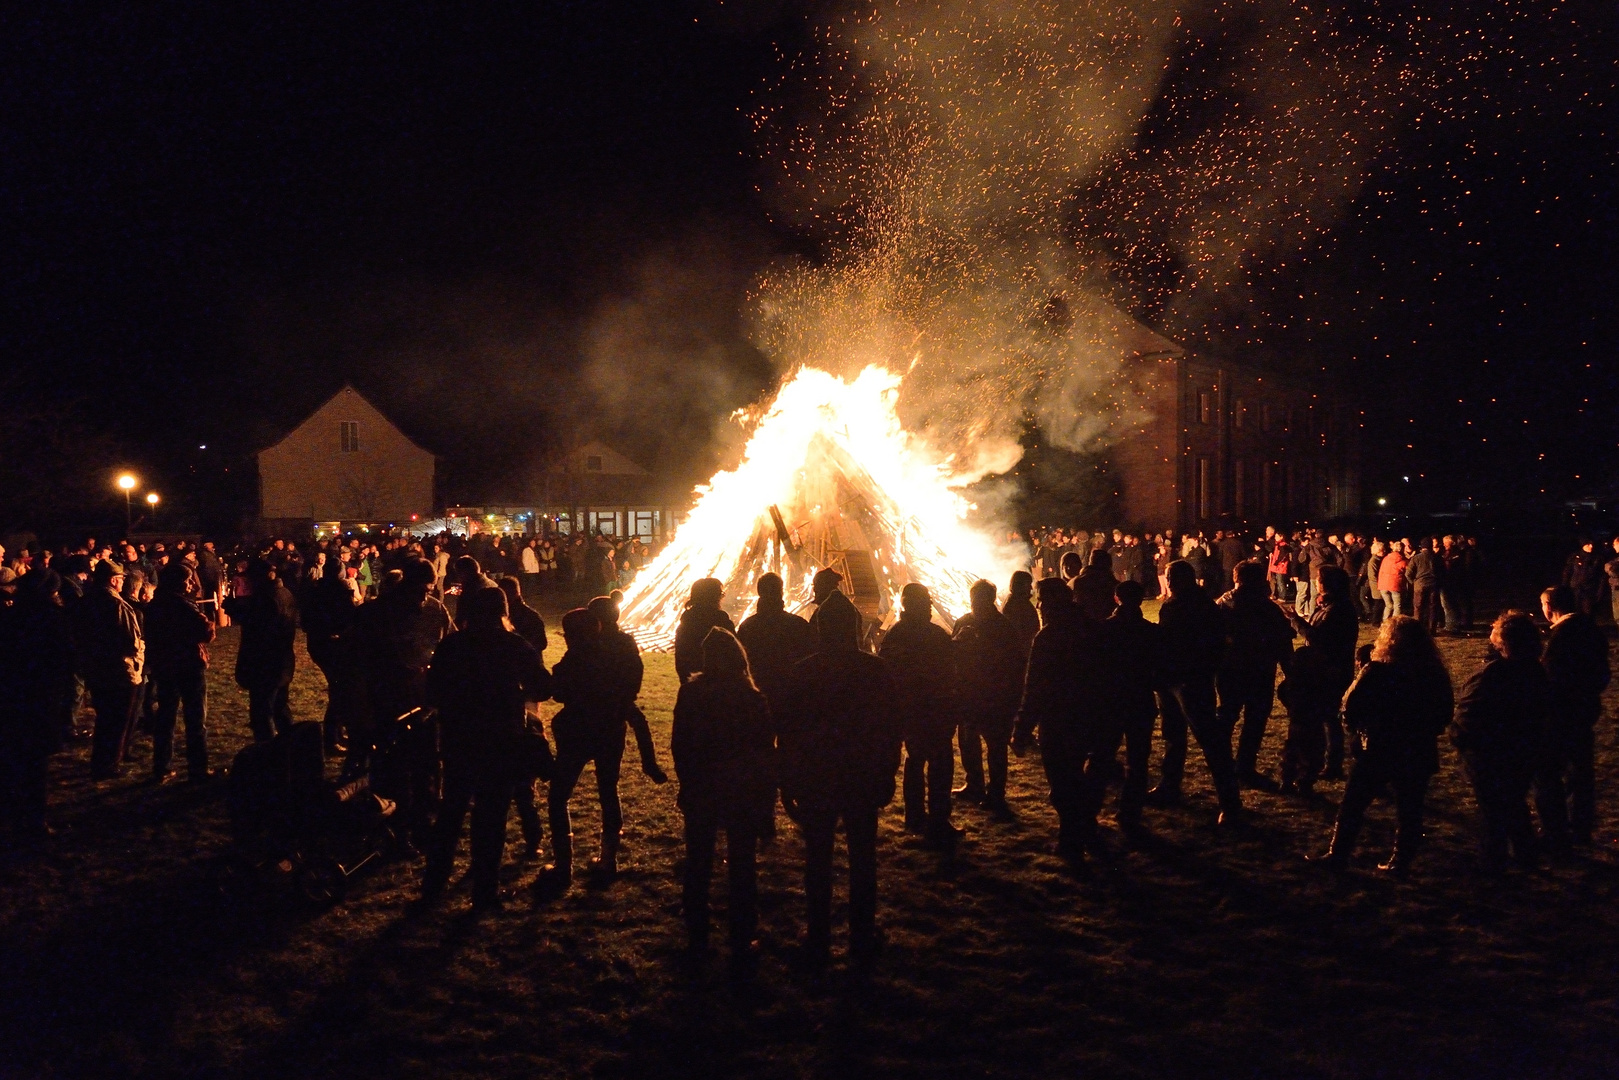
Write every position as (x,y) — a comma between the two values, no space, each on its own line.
(1258,639)
(177,638)
(530,626)
(590,728)
(990,660)
(1066,712)
(1583,573)
(1396,709)
(775,640)
(702,614)
(1093,588)
(724,748)
(1499,730)
(1019,609)
(469,575)
(1424,573)
(326,611)
(111,652)
(1133,651)
(36,688)
(628,671)
(1576,663)
(921,661)
(480,680)
(839,746)
(1318,676)
(393,642)
(825,592)
(1194,647)
(268,616)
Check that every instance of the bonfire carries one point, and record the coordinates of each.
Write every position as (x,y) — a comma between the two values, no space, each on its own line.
(829,478)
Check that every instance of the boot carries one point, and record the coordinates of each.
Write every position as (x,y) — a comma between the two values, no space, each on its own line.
(1398,864)
(556,876)
(1336,857)
(604,868)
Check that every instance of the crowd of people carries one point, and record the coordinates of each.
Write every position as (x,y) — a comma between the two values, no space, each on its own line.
(1435,579)
(818,715)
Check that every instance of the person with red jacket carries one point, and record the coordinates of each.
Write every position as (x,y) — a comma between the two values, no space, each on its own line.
(1391,581)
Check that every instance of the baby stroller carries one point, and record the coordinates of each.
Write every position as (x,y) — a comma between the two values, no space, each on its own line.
(293,830)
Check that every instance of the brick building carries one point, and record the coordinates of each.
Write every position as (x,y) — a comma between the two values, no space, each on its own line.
(346,465)
(1228,444)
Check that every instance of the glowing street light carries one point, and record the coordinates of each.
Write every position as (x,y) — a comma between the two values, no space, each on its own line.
(127,482)
(152,500)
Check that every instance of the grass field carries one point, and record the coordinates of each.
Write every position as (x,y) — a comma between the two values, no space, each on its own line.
(1197,954)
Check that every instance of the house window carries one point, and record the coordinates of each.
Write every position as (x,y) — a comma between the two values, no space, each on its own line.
(593,463)
(1239,414)
(1240,484)
(646,524)
(1205,488)
(1266,420)
(604,522)
(1205,407)
(348,436)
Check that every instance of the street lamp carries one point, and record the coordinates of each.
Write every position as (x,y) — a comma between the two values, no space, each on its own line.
(152,501)
(127,483)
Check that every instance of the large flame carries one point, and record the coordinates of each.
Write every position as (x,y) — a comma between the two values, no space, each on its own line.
(831,457)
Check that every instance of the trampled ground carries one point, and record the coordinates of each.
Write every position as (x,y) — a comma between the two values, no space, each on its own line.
(1199,954)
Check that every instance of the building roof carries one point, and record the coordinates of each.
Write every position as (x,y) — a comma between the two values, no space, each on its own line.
(359,398)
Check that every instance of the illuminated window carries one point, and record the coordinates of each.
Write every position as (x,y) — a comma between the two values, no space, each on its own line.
(1266,420)
(1205,407)
(348,436)
(1205,488)
(1239,413)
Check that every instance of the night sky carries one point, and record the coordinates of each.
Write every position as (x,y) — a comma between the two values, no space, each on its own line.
(211,217)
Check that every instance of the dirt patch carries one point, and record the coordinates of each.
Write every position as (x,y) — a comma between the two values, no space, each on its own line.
(1197,954)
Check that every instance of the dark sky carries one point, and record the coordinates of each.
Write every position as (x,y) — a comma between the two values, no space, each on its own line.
(212,215)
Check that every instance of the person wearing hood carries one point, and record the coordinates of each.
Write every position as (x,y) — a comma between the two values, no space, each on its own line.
(1019,610)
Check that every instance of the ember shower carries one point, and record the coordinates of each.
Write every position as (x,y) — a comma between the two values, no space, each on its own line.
(934,152)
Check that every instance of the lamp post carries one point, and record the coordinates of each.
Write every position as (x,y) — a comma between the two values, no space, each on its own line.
(127,483)
(152,501)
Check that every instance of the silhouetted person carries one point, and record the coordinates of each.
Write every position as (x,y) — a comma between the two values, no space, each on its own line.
(1576,663)
(1133,651)
(1019,609)
(268,617)
(589,729)
(327,610)
(628,672)
(1194,647)
(1499,730)
(921,661)
(825,592)
(702,614)
(839,746)
(1258,639)
(724,748)
(1396,709)
(1093,588)
(177,639)
(775,640)
(112,658)
(530,626)
(990,659)
(1582,572)
(394,639)
(1318,676)
(36,687)
(470,576)
(480,680)
(1062,696)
